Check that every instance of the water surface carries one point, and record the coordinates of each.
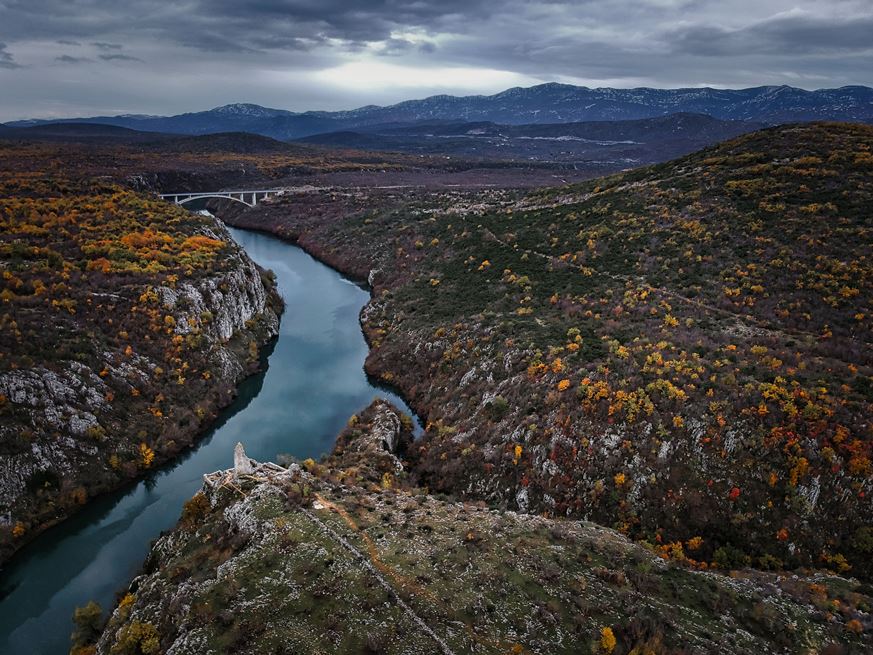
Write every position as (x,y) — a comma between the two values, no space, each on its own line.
(313,383)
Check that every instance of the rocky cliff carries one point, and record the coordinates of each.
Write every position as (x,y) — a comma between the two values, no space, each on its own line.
(126,325)
(344,556)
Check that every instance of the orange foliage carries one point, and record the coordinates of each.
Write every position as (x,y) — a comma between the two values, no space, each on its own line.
(201,242)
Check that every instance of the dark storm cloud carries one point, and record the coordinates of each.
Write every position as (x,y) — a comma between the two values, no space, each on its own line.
(788,34)
(514,30)
(234,24)
(354,21)
(68,59)
(281,51)
(118,57)
(6,58)
(624,43)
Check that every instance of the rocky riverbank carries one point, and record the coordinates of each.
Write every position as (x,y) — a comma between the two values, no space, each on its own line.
(126,326)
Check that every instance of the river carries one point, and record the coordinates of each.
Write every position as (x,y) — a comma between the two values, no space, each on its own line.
(313,383)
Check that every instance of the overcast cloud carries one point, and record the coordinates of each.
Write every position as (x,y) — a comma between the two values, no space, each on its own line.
(91,57)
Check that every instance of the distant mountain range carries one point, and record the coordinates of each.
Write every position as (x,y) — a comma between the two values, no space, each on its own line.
(98,134)
(545,103)
(595,145)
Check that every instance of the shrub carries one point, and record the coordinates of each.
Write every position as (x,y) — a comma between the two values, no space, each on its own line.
(88,621)
(137,638)
(730,557)
(195,509)
(496,408)
(607,640)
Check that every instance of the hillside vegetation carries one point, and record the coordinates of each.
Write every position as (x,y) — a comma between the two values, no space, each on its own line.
(681,352)
(345,556)
(125,324)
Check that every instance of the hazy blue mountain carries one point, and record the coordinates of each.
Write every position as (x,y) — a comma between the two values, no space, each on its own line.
(78,131)
(229,118)
(545,103)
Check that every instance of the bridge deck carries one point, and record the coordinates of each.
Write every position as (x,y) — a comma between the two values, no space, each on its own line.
(219,193)
(248,197)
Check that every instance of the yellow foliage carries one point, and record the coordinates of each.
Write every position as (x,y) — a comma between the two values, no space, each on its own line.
(801,466)
(694,543)
(126,601)
(607,640)
(201,242)
(147,455)
(146,239)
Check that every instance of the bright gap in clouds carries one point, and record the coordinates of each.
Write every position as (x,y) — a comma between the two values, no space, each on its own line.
(368,75)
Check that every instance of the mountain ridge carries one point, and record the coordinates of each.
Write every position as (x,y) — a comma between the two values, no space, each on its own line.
(545,103)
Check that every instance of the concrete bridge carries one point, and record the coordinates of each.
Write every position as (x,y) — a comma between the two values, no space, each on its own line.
(249,198)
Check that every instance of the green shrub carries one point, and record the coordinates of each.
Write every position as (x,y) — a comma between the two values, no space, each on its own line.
(137,638)
(88,621)
(195,509)
(496,408)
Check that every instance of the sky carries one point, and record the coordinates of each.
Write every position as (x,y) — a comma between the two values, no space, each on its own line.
(69,58)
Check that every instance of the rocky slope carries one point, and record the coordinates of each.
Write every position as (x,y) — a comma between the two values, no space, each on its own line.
(681,352)
(125,324)
(345,556)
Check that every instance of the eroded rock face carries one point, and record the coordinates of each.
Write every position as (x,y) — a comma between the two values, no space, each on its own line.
(372,444)
(71,429)
(384,435)
(217,306)
(63,403)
